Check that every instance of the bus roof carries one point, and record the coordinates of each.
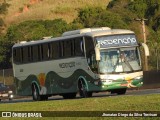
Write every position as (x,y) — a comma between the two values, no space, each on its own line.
(97,31)
(93,32)
(85,30)
(109,32)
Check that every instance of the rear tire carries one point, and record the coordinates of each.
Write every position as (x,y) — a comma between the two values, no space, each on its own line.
(43,97)
(89,94)
(35,93)
(83,89)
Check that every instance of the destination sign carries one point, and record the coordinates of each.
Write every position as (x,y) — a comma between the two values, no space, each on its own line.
(117,40)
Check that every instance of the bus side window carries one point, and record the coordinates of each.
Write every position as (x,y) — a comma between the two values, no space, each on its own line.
(89,45)
(40,52)
(79,46)
(72,47)
(35,53)
(90,54)
(29,54)
(55,50)
(67,48)
(45,51)
(49,52)
(61,49)
(21,55)
(31,50)
(25,55)
(16,55)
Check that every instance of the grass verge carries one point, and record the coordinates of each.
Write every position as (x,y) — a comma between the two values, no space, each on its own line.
(116,103)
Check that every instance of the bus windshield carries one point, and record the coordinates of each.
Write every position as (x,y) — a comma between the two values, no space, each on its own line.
(119,60)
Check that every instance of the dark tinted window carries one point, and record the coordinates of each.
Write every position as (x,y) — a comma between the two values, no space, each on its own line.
(45,51)
(48,51)
(36,54)
(79,49)
(25,55)
(55,51)
(67,48)
(89,46)
(16,55)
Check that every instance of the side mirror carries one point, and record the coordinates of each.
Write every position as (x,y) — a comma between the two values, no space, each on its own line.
(97,51)
(146,49)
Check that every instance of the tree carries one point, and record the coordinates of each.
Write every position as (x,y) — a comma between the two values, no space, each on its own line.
(3,10)
(138,7)
(5,53)
(3,7)
(97,17)
(55,27)
(35,30)
(2,25)
(88,16)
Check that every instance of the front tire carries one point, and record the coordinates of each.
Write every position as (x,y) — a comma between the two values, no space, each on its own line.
(119,91)
(89,94)
(122,91)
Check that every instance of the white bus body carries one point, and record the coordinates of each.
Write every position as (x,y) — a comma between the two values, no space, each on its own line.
(85,61)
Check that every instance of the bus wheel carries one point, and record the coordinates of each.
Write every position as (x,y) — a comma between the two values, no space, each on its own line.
(89,94)
(82,89)
(44,97)
(35,93)
(119,91)
(69,95)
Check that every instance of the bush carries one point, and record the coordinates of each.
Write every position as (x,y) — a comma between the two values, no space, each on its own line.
(3,8)
(98,17)
(55,27)
(35,30)
(1,22)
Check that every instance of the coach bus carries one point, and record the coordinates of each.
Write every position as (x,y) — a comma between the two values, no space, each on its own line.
(81,61)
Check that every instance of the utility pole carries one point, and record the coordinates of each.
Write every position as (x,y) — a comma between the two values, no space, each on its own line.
(3,78)
(144,38)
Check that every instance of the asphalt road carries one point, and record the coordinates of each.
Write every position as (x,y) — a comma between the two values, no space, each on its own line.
(101,94)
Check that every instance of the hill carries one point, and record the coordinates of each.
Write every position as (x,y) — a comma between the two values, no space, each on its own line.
(32,19)
(22,10)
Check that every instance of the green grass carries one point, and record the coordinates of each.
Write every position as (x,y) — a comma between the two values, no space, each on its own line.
(116,103)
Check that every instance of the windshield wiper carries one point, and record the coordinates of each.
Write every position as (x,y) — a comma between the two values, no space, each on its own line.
(128,64)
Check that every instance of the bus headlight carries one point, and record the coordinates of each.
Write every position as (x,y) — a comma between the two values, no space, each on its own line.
(11,96)
(106,81)
(137,78)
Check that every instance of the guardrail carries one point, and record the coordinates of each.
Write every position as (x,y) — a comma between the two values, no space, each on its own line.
(6,76)
(151,79)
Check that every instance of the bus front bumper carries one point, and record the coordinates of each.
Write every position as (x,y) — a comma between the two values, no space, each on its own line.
(105,85)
